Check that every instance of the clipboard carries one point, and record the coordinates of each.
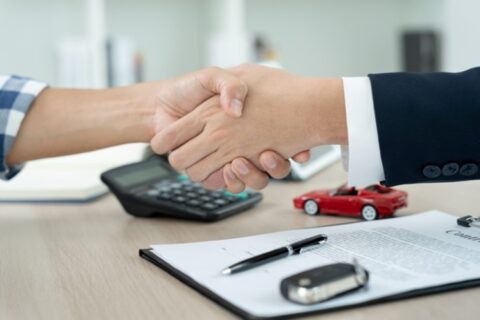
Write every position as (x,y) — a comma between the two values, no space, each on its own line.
(232,306)
(148,255)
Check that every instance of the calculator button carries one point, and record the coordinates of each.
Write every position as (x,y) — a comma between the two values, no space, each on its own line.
(209,206)
(153,193)
(165,196)
(176,185)
(205,198)
(241,195)
(220,202)
(164,183)
(193,203)
(201,191)
(183,178)
(188,188)
(179,199)
(191,195)
(216,194)
(164,189)
(177,192)
(231,199)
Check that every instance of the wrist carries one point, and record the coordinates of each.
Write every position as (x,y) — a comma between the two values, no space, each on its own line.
(326,111)
(137,103)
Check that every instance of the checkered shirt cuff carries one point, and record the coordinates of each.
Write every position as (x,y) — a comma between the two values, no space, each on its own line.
(16,96)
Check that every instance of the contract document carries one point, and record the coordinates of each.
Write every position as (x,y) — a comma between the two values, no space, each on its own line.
(406,256)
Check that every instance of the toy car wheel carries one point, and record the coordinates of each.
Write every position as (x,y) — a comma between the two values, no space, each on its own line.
(310,207)
(369,213)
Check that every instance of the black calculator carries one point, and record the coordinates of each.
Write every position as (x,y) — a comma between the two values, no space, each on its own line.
(153,188)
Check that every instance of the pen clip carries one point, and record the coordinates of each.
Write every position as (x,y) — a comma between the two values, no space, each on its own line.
(312,247)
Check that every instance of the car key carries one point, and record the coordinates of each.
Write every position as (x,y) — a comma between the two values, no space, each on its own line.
(324,283)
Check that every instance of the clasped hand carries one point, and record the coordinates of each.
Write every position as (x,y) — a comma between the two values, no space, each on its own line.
(281,118)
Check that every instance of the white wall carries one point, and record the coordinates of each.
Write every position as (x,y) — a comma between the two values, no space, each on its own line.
(462,34)
(169,33)
(29,32)
(313,37)
(338,37)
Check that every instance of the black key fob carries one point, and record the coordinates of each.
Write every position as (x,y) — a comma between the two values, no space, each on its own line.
(469,221)
(323,283)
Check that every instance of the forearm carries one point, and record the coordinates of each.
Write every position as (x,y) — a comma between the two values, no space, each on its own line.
(67,121)
(325,113)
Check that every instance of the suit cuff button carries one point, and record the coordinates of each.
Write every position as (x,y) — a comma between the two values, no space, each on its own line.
(450,169)
(431,171)
(468,169)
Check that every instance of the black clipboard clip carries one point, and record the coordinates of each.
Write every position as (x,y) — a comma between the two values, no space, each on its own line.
(469,221)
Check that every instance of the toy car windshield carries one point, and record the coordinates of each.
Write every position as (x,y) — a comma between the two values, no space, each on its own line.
(379,189)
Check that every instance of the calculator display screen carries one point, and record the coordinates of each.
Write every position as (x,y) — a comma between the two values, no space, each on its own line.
(142,174)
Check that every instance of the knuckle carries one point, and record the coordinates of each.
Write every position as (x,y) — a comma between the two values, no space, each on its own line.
(243,87)
(240,69)
(220,134)
(175,161)
(212,70)
(259,182)
(157,148)
(227,153)
(169,137)
(195,175)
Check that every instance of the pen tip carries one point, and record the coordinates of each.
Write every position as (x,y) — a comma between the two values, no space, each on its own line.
(226,271)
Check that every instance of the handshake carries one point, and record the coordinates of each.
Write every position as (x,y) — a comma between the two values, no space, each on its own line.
(225,128)
(230,128)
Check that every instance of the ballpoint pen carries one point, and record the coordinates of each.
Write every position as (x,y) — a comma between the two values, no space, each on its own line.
(282,252)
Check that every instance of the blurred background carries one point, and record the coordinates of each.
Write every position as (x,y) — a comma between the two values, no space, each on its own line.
(75,42)
(101,43)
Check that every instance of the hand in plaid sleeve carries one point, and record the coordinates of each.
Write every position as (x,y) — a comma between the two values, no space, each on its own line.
(16,96)
(68,121)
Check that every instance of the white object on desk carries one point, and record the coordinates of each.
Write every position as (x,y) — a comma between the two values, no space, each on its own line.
(69,178)
(321,158)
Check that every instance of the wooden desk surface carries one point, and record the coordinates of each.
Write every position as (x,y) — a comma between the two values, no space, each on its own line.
(81,261)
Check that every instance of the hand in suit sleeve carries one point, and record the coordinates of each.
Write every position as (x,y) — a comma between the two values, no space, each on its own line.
(428,125)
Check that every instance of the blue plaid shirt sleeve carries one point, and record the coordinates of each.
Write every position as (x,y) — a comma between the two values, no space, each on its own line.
(16,96)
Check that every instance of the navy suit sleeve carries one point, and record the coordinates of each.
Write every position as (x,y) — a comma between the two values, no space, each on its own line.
(428,125)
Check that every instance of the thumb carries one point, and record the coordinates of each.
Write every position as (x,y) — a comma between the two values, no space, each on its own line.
(231,89)
(302,157)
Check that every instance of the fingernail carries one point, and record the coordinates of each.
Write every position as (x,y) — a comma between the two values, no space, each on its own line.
(242,167)
(236,105)
(270,162)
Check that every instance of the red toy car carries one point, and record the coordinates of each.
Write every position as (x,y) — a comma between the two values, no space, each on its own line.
(370,203)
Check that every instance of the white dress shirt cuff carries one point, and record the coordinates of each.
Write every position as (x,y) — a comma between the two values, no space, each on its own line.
(364,162)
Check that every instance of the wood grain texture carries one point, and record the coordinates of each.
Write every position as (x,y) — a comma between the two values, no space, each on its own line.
(81,261)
